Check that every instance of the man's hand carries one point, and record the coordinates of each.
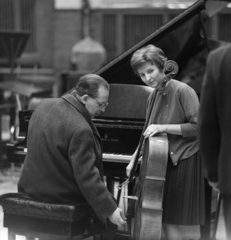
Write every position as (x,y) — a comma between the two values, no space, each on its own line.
(117,217)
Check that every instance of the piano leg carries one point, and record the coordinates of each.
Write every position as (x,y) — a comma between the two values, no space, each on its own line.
(121,180)
(12,171)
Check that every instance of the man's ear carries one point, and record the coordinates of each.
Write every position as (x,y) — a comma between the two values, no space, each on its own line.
(84,98)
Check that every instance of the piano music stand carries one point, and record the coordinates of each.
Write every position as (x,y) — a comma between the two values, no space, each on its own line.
(12,44)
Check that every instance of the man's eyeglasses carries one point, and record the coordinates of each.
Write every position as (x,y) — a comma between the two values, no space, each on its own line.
(100,104)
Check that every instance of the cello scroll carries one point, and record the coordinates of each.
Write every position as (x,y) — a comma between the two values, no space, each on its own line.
(171,67)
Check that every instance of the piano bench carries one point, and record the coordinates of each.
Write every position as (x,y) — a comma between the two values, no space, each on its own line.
(34,219)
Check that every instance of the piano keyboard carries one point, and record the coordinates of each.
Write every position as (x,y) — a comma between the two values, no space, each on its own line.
(107,157)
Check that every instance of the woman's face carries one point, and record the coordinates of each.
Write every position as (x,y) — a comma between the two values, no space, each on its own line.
(150,74)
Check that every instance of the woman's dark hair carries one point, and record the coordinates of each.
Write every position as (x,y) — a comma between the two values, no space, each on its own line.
(89,84)
(149,53)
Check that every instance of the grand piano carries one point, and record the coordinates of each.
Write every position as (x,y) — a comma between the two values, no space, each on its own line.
(184,40)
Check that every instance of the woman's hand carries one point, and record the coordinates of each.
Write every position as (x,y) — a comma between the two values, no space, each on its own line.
(154,129)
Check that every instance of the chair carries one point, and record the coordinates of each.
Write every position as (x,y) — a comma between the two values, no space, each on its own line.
(34,219)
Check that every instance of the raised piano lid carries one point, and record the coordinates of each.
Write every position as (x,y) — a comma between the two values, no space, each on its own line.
(180,39)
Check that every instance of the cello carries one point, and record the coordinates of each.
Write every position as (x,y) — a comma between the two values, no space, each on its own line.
(149,189)
(148,209)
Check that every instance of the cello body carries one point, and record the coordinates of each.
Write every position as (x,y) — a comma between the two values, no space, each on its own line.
(148,210)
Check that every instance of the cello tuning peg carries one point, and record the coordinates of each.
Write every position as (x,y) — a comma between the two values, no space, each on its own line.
(131,197)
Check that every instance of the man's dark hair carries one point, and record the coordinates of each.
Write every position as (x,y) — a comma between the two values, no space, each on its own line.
(89,84)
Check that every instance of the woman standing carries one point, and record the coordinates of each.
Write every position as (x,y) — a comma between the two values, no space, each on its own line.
(175,113)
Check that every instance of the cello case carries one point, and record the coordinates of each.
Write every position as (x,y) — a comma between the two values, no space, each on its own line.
(148,210)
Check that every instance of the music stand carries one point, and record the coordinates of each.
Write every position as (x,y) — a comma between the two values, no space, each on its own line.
(12,44)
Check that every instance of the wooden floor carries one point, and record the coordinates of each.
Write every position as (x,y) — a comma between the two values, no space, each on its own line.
(7,184)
